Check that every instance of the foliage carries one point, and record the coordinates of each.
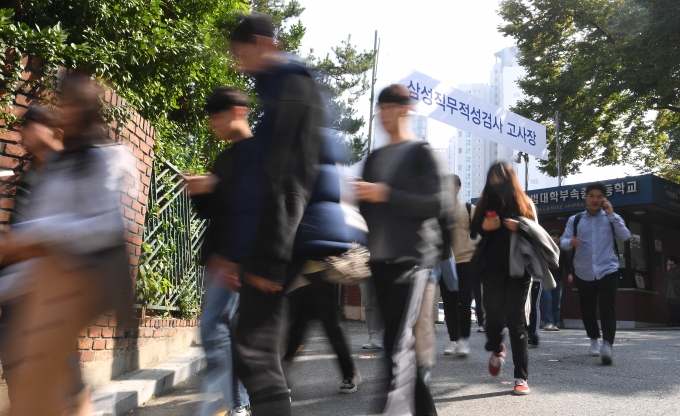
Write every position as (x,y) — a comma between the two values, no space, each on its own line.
(611,69)
(344,79)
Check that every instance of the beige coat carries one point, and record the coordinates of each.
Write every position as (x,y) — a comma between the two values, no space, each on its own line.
(463,246)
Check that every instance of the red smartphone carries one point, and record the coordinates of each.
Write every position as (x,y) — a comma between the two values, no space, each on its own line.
(491,214)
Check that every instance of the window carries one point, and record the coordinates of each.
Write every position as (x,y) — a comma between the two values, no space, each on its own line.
(467,176)
(467,194)
(467,184)
(460,168)
(478,140)
(478,166)
(478,183)
(638,246)
(467,151)
(478,149)
(460,150)
(467,142)
(467,159)
(467,168)
(478,158)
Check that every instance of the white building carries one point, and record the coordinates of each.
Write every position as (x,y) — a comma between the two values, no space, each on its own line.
(506,93)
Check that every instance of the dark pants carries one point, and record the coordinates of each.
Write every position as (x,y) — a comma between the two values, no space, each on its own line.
(504,302)
(479,303)
(457,310)
(673,311)
(399,302)
(317,299)
(258,341)
(604,291)
(535,316)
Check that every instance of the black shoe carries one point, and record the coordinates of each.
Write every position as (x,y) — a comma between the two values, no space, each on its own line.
(532,340)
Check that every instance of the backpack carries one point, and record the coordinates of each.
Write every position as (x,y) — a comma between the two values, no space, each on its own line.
(578,219)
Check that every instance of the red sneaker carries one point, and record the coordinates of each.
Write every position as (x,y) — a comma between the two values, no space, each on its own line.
(521,387)
(496,361)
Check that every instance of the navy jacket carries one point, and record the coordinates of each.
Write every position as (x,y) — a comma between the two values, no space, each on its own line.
(323,230)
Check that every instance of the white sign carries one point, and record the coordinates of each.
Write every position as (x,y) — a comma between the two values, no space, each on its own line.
(473,115)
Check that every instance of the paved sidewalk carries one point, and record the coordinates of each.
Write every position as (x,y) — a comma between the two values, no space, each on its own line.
(645,378)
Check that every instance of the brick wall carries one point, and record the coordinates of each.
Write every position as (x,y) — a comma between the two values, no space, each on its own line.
(104,339)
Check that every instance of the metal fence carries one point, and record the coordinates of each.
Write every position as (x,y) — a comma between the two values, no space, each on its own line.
(171,277)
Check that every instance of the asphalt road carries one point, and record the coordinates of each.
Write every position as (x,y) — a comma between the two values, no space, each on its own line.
(644,379)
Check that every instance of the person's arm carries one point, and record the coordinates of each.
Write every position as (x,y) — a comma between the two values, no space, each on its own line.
(290,174)
(428,201)
(565,241)
(621,232)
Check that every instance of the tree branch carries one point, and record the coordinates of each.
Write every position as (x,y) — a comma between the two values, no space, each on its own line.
(670,108)
(609,37)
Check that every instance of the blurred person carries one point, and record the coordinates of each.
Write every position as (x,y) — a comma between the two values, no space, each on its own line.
(592,235)
(552,299)
(288,135)
(671,289)
(505,297)
(72,242)
(457,305)
(374,321)
(326,229)
(227,198)
(401,199)
(41,139)
(534,322)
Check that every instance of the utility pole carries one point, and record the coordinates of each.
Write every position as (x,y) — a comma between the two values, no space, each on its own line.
(558,152)
(376,50)
(526,172)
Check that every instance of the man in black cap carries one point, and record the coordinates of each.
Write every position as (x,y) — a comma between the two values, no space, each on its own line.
(288,139)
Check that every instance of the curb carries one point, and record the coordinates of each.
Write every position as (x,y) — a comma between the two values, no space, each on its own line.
(121,396)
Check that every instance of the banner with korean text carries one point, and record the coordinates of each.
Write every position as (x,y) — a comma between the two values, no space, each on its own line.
(466,112)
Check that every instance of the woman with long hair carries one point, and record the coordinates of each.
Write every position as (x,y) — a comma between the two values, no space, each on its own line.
(501,203)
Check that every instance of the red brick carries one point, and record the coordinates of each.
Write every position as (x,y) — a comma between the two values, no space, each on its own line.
(102,321)
(107,333)
(110,344)
(16,150)
(82,333)
(24,100)
(126,200)
(86,356)
(4,216)
(95,332)
(130,214)
(19,112)
(137,206)
(98,344)
(11,136)
(84,344)
(8,162)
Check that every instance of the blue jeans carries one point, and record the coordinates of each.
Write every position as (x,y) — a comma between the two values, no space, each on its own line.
(217,325)
(552,299)
(374,319)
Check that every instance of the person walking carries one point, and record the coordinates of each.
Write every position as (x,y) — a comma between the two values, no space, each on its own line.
(227,199)
(457,311)
(288,152)
(552,299)
(534,322)
(401,199)
(499,207)
(374,321)
(671,290)
(592,235)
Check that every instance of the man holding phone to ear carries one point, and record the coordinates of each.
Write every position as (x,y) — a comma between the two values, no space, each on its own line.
(593,234)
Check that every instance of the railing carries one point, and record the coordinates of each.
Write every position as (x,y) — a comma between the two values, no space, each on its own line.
(171,277)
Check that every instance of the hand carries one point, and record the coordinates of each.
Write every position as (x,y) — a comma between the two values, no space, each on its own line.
(371,192)
(570,278)
(224,273)
(262,284)
(201,184)
(608,208)
(575,242)
(510,224)
(491,224)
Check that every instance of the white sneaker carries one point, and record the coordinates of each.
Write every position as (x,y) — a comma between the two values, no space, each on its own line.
(240,411)
(594,348)
(463,348)
(373,344)
(481,328)
(606,353)
(451,349)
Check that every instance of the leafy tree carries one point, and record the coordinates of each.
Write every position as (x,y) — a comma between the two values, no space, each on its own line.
(344,79)
(612,70)
(163,56)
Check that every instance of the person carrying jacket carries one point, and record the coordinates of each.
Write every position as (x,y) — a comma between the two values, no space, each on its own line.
(288,135)
(505,294)
(402,200)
